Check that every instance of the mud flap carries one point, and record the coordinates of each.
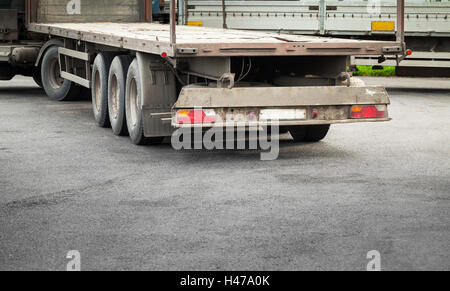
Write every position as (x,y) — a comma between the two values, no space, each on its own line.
(159,95)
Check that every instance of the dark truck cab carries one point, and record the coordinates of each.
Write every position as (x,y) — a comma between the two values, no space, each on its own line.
(18,49)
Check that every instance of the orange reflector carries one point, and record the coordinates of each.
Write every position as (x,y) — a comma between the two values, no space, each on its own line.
(195,23)
(383,25)
(356,108)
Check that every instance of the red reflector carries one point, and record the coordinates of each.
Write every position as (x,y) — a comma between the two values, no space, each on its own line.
(315,113)
(368,111)
(196,116)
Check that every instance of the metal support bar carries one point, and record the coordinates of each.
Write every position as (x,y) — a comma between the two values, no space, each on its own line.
(74,54)
(76,79)
(186,12)
(401,22)
(322,14)
(29,12)
(173,23)
(224,15)
(71,72)
(148,8)
(181,13)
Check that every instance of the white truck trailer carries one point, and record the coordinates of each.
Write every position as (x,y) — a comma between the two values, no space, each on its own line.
(427,24)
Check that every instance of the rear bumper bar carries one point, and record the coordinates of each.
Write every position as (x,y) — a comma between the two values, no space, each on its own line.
(322,105)
(198,96)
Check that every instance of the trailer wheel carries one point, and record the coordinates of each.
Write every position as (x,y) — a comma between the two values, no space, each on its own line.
(316,133)
(56,87)
(100,72)
(133,108)
(116,94)
(298,133)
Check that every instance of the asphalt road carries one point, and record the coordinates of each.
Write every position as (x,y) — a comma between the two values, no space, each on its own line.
(66,184)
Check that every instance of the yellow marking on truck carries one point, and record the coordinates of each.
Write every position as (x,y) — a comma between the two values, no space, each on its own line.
(195,23)
(383,25)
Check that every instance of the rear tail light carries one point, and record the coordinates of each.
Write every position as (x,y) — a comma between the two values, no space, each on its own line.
(368,111)
(195,116)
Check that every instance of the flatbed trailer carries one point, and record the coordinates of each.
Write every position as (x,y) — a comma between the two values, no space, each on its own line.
(210,42)
(148,79)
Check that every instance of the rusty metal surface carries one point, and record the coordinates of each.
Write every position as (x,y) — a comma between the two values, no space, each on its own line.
(173,23)
(196,96)
(331,104)
(9,25)
(281,122)
(148,10)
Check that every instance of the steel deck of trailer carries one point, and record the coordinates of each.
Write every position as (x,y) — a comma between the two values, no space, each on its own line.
(201,41)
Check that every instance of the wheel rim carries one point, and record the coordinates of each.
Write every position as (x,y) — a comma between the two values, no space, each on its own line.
(54,74)
(114,94)
(133,101)
(97,90)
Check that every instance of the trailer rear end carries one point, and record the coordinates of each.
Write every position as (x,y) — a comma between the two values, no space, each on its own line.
(149,79)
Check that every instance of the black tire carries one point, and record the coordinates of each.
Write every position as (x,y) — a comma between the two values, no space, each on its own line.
(133,108)
(116,94)
(316,133)
(57,88)
(99,88)
(298,133)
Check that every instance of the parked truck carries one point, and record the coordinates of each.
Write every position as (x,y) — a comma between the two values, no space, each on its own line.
(148,79)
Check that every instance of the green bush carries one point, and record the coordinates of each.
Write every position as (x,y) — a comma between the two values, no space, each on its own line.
(368,71)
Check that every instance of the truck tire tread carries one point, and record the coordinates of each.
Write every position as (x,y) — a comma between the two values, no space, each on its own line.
(99,88)
(119,69)
(57,89)
(135,123)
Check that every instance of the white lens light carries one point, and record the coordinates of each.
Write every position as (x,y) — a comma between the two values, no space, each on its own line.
(282,114)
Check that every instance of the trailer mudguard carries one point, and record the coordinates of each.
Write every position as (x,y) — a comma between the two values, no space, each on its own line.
(158,87)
